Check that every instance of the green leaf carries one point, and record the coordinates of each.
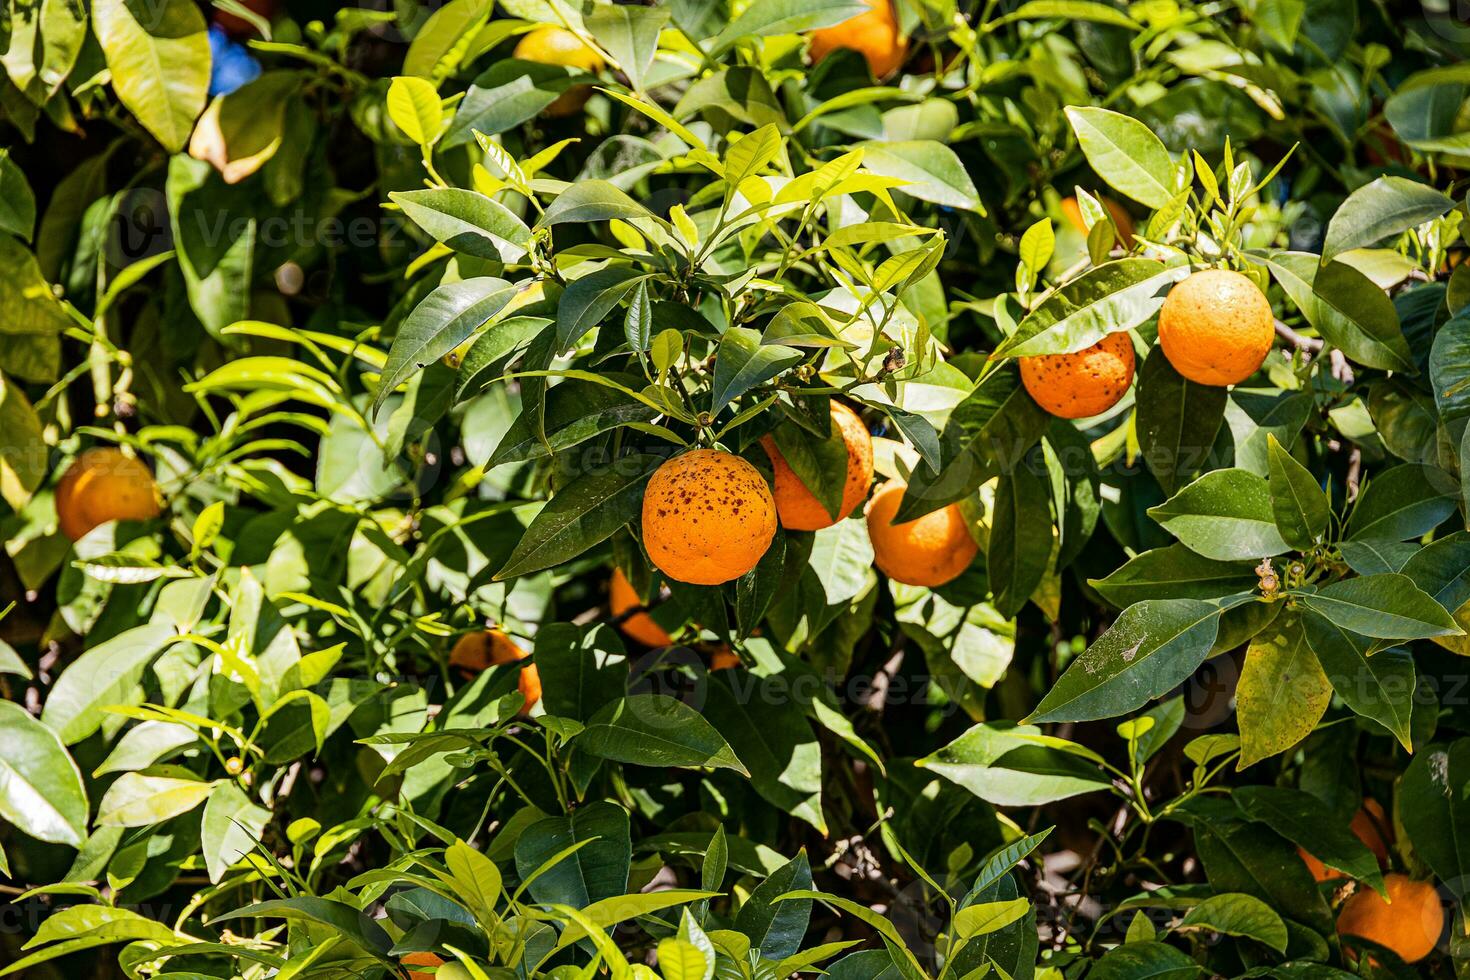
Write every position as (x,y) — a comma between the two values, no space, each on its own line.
(612,911)
(1387,206)
(159,57)
(354,924)
(1174,572)
(776,928)
(742,362)
(1301,508)
(414,107)
(23,449)
(1308,823)
(1071,10)
(1238,915)
(657,730)
(576,411)
(1225,514)
(933,171)
(17,201)
(1377,685)
(1019,554)
(630,34)
(1403,502)
(440,45)
(231,829)
(1387,606)
(1153,646)
(1150,960)
(583,513)
(136,800)
(443,320)
(776,744)
(596,870)
(1442,569)
(41,789)
(1115,296)
(987,917)
(764,18)
(586,301)
(1017,766)
(1346,308)
(467,222)
(1282,692)
(1177,421)
(31,317)
(106,675)
(476,879)
(680,960)
(216,242)
(1435,812)
(1125,153)
(592,200)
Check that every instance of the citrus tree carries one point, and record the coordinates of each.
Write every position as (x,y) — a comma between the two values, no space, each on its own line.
(753,489)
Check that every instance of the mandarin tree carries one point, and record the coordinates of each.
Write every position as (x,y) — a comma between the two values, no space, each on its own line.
(750,489)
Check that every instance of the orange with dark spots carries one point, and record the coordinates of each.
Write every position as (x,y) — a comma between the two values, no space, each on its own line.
(874,34)
(797,506)
(104,485)
(708,517)
(640,626)
(1409,923)
(930,551)
(1082,384)
(476,652)
(1216,327)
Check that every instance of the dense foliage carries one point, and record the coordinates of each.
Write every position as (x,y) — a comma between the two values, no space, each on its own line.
(349,620)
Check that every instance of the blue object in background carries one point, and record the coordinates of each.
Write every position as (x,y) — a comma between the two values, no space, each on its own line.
(231,64)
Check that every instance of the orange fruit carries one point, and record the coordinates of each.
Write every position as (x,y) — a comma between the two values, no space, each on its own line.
(797,506)
(475,652)
(724,659)
(708,517)
(559,46)
(421,959)
(1216,327)
(1122,220)
(1409,923)
(102,485)
(639,626)
(874,34)
(932,550)
(1082,384)
(1371,826)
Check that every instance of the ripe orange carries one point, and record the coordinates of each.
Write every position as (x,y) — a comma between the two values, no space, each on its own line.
(708,517)
(104,485)
(639,626)
(478,651)
(559,46)
(1122,220)
(1370,825)
(1409,923)
(724,659)
(421,959)
(874,34)
(1216,327)
(1083,384)
(931,550)
(798,507)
